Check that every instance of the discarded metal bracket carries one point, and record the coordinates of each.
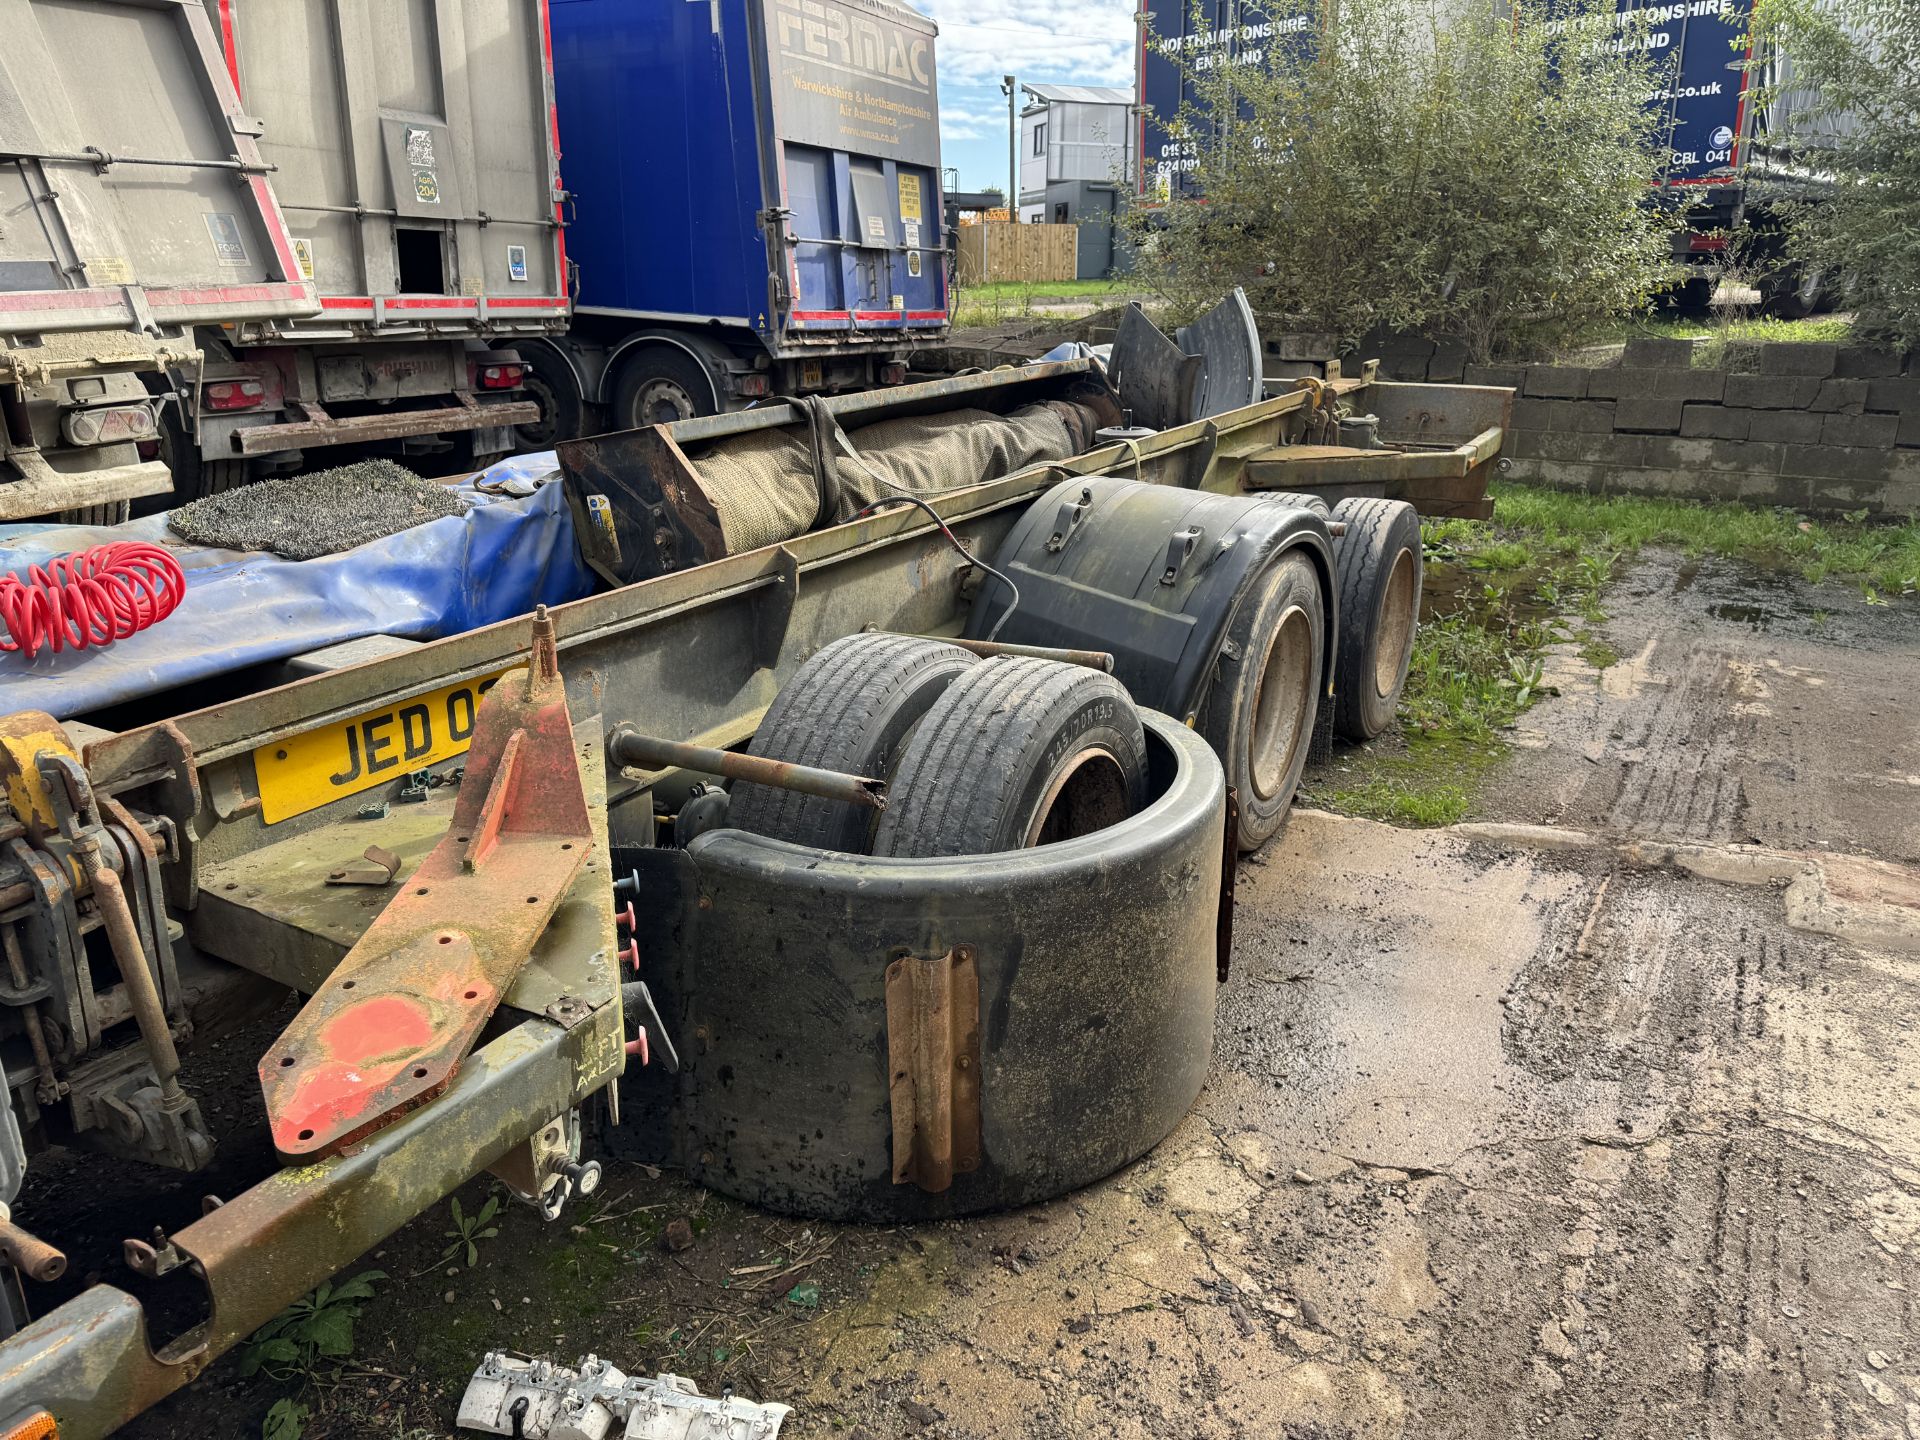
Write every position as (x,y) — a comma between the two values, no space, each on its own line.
(374,867)
(933,1062)
(540,1400)
(389,1029)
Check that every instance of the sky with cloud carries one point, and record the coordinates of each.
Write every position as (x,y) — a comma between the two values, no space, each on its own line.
(1068,42)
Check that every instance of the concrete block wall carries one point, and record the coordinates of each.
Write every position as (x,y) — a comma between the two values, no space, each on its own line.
(1816,427)
(1825,428)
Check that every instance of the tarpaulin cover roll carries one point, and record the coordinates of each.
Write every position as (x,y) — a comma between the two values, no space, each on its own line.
(499,560)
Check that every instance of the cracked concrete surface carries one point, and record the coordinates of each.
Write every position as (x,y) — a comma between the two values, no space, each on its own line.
(1611,1128)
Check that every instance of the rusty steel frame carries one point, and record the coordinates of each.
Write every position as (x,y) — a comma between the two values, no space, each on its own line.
(751,619)
(388,1029)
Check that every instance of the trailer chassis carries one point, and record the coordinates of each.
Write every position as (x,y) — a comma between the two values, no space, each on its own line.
(255,895)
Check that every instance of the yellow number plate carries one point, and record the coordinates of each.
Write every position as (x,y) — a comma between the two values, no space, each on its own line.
(305,772)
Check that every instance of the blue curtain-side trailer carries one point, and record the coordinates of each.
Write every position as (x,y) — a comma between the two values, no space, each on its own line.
(755,204)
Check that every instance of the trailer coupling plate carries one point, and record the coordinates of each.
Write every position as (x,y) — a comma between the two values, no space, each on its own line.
(389,1028)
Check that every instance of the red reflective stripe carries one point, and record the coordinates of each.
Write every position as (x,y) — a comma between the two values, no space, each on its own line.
(926,314)
(60,299)
(226,294)
(226,38)
(819,314)
(876,314)
(446,302)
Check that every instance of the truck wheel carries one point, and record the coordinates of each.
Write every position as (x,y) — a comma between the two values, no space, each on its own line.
(1793,293)
(658,386)
(549,382)
(1378,562)
(1686,297)
(1017,752)
(194,478)
(850,708)
(1259,713)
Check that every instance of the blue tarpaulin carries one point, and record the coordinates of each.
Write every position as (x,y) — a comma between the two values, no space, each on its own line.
(503,557)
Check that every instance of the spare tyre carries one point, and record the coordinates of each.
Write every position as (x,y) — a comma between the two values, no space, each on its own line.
(1018,752)
(850,708)
(1378,563)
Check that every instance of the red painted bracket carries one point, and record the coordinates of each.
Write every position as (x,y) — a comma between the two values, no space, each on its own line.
(391,1026)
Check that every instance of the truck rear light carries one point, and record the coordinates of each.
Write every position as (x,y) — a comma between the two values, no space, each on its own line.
(754,385)
(108,426)
(1706,242)
(233,395)
(501,377)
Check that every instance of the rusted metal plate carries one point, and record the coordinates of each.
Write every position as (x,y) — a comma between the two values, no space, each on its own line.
(389,1028)
(933,1059)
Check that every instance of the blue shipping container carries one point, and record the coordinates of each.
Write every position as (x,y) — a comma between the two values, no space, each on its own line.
(767,164)
(1703,84)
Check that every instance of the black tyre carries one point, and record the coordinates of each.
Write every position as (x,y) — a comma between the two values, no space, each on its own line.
(1017,752)
(549,382)
(849,708)
(659,385)
(1692,296)
(1793,293)
(194,478)
(1378,565)
(1260,709)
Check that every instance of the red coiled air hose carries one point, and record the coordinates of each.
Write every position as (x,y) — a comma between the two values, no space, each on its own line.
(91,597)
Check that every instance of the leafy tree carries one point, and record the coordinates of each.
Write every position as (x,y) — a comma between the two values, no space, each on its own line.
(1845,175)
(1419,165)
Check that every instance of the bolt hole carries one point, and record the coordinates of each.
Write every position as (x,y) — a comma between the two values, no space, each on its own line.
(568,845)
(446,939)
(473,994)
(285,1060)
(232,885)
(306,1134)
(533,899)
(419,1072)
(421,891)
(461,838)
(348,984)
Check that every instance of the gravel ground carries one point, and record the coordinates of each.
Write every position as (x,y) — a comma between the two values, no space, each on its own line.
(306,516)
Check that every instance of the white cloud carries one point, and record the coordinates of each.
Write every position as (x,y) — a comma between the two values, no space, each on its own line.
(1073,42)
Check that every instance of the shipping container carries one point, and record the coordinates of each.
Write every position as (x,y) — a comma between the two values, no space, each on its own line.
(756,195)
(134,205)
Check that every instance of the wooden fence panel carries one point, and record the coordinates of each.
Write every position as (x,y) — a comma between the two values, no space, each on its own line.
(994,252)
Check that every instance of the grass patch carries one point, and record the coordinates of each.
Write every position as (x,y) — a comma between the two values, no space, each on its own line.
(1720,331)
(1880,559)
(977,306)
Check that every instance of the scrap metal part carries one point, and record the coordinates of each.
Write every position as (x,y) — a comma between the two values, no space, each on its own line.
(540,1400)
(389,1028)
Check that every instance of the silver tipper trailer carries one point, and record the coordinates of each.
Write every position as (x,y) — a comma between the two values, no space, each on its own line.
(134,207)
(416,158)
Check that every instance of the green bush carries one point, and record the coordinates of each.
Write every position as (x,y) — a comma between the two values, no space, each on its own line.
(1847,181)
(1426,170)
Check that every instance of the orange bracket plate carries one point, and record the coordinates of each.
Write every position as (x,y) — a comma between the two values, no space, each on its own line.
(389,1029)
